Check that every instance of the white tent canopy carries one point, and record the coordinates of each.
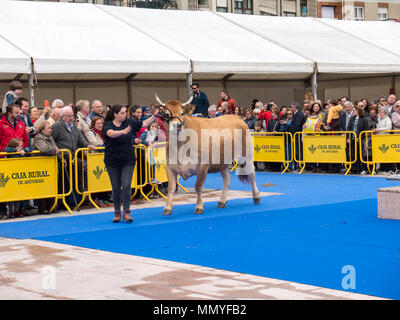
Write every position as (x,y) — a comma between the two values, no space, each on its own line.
(333,50)
(85,41)
(385,35)
(213,44)
(13,60)
(67,38)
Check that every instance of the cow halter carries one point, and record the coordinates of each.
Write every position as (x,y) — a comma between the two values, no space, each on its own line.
(168,116)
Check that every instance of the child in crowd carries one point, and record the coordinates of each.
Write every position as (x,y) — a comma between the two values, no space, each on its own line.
(12,95)
(258,126)
(149,137)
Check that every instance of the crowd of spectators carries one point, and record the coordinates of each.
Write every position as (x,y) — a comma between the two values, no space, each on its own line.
(72,126)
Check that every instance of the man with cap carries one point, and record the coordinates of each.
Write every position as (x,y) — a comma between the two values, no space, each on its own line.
(145,113)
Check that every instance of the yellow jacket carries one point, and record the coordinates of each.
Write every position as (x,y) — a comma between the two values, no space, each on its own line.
(334,113)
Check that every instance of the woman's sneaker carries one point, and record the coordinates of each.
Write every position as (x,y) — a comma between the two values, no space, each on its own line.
(127,216)
(117,217)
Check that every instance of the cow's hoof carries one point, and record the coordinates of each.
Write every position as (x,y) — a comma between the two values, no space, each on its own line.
(256,200)
(198,211)
(167,212)
(221,205)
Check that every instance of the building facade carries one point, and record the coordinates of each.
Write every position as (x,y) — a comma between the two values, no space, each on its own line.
(368,10)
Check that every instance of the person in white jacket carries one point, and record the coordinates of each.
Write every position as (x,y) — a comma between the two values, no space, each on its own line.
(396,116)
(384,122)
(84,121)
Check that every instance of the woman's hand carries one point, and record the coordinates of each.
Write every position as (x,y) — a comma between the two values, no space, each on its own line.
(127,130)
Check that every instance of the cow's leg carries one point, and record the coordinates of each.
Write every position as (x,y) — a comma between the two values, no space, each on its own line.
(256,193)
(226,178)
(201,178)
(172,176)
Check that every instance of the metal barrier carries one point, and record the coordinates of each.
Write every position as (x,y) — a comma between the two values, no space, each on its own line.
(380,147)
(20,178)
(95,178)
(325,147)
(273,147)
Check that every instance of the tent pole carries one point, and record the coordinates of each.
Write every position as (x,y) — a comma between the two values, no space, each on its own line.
(314,84)
(31,85)
(189,81)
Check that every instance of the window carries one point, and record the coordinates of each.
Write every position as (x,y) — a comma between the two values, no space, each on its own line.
(114,2)
(382,13)
(289,14)
(222,6)
(243,6)
(359,13)
(327,12)
(263,13)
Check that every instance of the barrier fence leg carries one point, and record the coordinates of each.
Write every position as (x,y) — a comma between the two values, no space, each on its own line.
(93,203)
(348,167)
(159,192)
(80,203)
(66,205)
(286,166)
(54,204)
(183,188)
(302,166)
(151,191)
(134,194)
(373,168)
(144,195)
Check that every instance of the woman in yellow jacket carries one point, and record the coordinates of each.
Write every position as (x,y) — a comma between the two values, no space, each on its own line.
(313,124)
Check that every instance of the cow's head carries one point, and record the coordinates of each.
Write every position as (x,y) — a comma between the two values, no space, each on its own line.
(173,112)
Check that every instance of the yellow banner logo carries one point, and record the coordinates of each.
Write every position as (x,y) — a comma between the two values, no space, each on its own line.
(321,148)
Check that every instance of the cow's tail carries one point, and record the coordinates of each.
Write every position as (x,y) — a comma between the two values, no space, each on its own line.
(245,172)
(246,179)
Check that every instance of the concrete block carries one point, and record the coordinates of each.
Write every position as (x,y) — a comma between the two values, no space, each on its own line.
(389,203)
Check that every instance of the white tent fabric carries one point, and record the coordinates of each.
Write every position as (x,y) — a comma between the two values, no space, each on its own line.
(384,34)
(213,44)
(72,41)
(333,50)
(13,60)
(80,38)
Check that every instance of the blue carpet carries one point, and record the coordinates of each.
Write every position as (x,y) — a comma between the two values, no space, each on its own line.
(319,224)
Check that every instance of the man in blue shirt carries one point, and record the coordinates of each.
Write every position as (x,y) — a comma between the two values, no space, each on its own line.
(200,100)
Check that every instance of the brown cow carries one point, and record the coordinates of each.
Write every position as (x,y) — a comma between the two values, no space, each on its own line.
(199,137)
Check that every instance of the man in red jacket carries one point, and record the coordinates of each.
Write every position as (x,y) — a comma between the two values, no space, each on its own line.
(224,95)
(12,126)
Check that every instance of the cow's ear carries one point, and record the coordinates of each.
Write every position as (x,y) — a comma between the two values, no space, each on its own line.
(188,109)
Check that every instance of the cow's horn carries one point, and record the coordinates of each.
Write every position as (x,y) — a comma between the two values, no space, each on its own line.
(188,102)
(158,100)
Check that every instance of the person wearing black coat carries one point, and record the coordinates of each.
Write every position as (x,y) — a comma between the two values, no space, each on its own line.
(200,100)
(358,123)
(296,125)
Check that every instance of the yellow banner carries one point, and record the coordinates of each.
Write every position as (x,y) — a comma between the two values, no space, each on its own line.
(323,148)
(28,178)
(160,162)
(269,148)
(98,179)
(386,148)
